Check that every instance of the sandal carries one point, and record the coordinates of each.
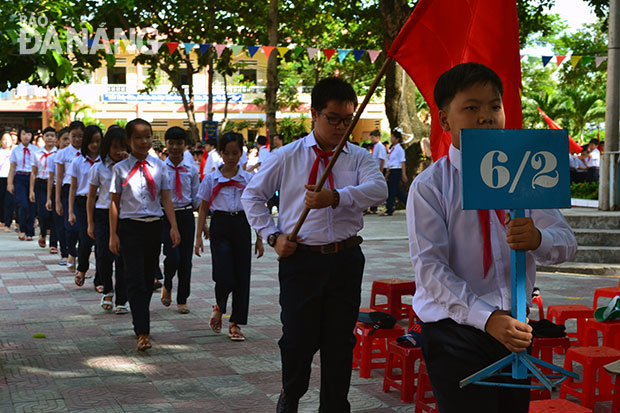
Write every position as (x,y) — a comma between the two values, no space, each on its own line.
(28,238)
(99,289)
(216,319)
(42,243)
(165,297)
(79,279)
(71,263)
(182,309)
(121,309)
(107,305)
(21,237)
(234,332)
(53,250)
(63,261)
(144,342)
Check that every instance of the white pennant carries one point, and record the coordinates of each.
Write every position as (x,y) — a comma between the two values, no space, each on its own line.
(599,59)
(312,52)
(373,54)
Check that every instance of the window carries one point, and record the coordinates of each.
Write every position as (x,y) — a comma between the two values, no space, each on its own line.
(117,75)
(249,75)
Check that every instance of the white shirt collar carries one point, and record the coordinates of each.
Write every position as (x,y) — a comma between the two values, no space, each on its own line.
(222,178)
(310,141)
(455,157)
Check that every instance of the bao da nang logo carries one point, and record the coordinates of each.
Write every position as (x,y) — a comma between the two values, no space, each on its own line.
(31,40)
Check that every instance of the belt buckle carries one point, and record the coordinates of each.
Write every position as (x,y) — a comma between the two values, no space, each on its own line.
(329,248)
(234,213)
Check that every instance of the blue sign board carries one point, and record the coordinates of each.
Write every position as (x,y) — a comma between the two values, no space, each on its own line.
(515,169)
(209,130)
(168,97)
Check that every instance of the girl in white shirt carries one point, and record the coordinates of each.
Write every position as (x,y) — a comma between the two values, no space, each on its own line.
(58,228)
(397,172)
(18,183)
(41,161)
(78,171)
(7,200)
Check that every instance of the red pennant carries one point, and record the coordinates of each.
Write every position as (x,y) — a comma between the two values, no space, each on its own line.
(559,60)
(329,53)
(573,147)
(172,46)
(267,50)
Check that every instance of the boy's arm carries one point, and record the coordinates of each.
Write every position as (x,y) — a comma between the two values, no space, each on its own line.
(50,188)
(60,175)
(201,228)
(557,240)
(370,190)
(166,202)
(72,191)
(9,181)
(33,176)
(90,209)
(115,244)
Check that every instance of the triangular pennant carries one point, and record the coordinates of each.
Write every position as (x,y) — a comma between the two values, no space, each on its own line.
(312,52)
(123,45)
(532,59)
(267,50)
(587,59)
(219,48)
(559,60)
(342,53)
(204,48)
(252,50)
(599,59)
(283,50)
(546,59)
(574,60)
(329,53)
(521,56)
(188,47)
(297,52)
(373,54)
(172,46)
(358,54)
(236,49)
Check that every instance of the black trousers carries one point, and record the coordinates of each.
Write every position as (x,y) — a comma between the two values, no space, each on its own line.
(86,243)
(453,352)
(179,260)
(394,190)
(231,255)
(72,233)
(106,260)
(8,203)
(320,299)
(26,210)
(59,229)
(46,221)
(140,248)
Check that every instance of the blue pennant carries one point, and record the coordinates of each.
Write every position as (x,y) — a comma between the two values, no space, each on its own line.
(252,50)
(358,54)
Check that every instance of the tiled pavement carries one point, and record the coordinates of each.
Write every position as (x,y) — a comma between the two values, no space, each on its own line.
(88,361)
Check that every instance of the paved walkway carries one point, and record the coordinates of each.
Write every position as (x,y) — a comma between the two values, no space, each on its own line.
(88,361)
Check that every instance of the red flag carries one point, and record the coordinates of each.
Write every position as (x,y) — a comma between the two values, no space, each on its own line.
(440,34)
(573,147)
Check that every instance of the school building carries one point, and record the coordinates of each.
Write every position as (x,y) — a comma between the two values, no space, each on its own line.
(112,94)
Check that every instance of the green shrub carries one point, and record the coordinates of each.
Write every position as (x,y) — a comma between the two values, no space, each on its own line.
(584,190)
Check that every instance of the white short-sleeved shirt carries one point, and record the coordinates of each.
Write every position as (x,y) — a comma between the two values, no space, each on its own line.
(396,156)
(100,175)
(594,161)
(214,160)
(43,160)
(65,156)
(263,155)
(136,200)
(22,156)
(229,197)
(379,153)
(79,169)
(5,162)
(189,183)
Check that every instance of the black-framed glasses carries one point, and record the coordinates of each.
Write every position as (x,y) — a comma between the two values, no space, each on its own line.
(335,120)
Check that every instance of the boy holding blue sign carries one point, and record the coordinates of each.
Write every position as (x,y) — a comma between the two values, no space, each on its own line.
(462,257)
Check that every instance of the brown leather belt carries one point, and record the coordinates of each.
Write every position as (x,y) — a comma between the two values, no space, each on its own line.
(332,248)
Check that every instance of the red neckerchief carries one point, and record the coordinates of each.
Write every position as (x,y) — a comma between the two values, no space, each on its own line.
(147,175)
(178,185)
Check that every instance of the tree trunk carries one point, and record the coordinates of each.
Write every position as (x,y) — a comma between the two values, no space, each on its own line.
(210,69)
(272,69)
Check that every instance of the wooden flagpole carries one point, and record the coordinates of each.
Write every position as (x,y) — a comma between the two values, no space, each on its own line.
(340,147)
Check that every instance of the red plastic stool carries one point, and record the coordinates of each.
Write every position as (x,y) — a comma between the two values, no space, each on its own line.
(394,289)
(556,405)
(609,329)
(542,348)
(413,318)
(539,303)
(609,292)
(422,400)
(370,347)
(614,370)
(592,359)
(402,357)
(560,313)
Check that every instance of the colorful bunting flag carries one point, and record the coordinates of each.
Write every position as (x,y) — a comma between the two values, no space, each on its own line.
(329,53)
(599,59)
(574,60)
(204,48)
(219,48)
(282,50)
(559,60)
(188,47)
(358,54)
(373,54)
(267,50)
(172,46)
(312,51)
(546,59)
(342,53)
(123,45)
(297,52)
(252,50)
(236,49)
(587,59)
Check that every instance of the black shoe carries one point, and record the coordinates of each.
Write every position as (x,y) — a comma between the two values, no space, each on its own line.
(286,405)
(157,285)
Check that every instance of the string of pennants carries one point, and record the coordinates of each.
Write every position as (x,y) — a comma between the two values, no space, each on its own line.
(313,52)
(574,59)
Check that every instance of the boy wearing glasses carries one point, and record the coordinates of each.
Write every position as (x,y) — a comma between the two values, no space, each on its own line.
(321,271)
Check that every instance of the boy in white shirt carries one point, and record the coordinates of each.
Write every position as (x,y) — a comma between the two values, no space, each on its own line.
(462,275)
